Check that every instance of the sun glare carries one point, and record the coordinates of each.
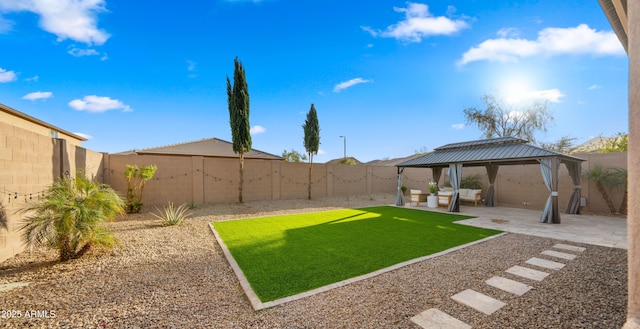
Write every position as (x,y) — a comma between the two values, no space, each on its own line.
(516,90)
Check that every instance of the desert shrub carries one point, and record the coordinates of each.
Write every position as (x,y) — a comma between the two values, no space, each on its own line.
(171,215)
(136,178)
(471,182)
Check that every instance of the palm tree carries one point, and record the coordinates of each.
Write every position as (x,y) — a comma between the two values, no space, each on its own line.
(4,220)
(618,179)
(602,178)
(70,217)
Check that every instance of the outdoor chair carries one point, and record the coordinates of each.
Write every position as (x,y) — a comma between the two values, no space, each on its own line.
(417,196)
(444,198)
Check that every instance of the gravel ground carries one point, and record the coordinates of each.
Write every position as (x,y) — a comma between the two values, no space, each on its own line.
(177,277)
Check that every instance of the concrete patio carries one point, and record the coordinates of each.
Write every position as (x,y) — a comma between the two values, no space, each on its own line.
(596,230)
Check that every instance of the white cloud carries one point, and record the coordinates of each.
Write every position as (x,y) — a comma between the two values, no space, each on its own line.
(77,52)
(67,19)
(457,126)
(551,95)
(5,25)
(550,42)
(419,23)
(594,87)
(7,76)
(87,136)
(38,95)
(508,32)
(33,78)
(346,84)
(93,103)
(321,151)
(255,130)
(191,65)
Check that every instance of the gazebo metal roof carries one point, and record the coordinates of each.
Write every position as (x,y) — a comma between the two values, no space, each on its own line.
(501,150)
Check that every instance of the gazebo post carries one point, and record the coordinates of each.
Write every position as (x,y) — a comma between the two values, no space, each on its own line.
(399,200)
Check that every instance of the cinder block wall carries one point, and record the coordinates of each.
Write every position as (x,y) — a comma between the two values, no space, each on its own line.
(198,180)
(29,163)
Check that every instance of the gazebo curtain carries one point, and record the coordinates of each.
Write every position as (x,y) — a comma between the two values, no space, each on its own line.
(547,175)
(455,176)
(436,173)
(573,207)
(399,200)
(490,199)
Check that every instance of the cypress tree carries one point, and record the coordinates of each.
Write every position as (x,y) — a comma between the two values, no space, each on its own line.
(238,100)
(311,139)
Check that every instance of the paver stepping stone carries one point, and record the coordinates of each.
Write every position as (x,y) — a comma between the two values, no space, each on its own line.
(528,273)
(508,285)
(13,285)
(558,254)
(568,247)
(478,301)
(544,263)
(433,318)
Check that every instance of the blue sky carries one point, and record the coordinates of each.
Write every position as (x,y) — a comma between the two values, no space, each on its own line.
(391,76)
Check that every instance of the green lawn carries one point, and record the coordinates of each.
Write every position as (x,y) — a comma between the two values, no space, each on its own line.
(286,255)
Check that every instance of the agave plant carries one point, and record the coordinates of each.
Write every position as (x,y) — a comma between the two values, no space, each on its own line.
(171,215)
(71,216)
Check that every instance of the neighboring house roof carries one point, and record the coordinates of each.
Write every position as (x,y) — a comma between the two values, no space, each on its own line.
(392,162)
(211,147)
(590,146)
(502,150)
(31,119)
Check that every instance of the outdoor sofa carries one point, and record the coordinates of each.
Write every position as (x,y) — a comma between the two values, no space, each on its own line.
(467,195)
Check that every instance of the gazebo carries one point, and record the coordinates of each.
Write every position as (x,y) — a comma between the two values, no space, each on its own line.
(495,152)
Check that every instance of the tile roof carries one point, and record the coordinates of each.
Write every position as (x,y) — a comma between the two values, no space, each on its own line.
(211,147)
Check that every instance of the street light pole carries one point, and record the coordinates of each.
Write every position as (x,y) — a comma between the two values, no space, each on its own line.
(345,145)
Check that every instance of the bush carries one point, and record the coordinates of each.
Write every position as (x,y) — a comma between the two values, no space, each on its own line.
(136,178)
(171,215)
(471,182)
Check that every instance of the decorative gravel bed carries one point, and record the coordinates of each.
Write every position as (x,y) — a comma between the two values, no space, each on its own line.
(177,277)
